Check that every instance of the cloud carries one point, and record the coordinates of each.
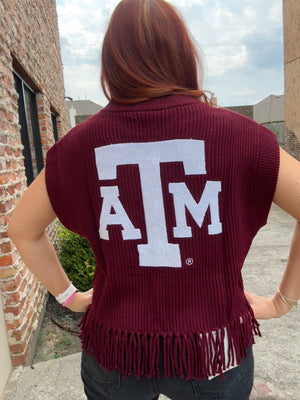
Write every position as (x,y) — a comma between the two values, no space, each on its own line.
(242,87)
(269,53)
(187,4)
(242,44)
(241,41)
(235,29)
(82,25)
(82,82)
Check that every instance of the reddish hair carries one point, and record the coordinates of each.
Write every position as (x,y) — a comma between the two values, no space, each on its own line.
(147,52)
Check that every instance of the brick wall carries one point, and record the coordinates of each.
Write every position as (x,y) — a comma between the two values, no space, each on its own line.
(29,45)
(292,145)
(291,29)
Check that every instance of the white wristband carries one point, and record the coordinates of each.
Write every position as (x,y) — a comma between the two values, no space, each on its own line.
(63,297)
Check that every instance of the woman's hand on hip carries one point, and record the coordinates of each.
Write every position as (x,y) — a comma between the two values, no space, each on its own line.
(267,307)
(81,301)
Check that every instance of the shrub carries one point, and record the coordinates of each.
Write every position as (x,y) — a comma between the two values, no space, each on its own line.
(76,258)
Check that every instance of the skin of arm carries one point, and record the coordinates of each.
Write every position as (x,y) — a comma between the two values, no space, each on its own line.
(27,228)
(287,197)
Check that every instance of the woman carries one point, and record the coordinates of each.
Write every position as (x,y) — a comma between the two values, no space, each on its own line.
(170,192)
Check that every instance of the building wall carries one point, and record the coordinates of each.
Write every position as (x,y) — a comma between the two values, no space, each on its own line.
(291,25)
(270,109)
(80,110)
(247,111)
(5,364)
(29,46)
(270,113)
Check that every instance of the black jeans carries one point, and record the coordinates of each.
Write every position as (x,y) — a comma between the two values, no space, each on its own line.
(102,385)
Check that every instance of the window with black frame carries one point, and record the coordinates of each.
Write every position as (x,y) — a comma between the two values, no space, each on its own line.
(30,131)
(54,126)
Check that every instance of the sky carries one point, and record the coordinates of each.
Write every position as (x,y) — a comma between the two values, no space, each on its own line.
(241,44)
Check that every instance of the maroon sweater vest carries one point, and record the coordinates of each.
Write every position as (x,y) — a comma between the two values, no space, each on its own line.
(170,194)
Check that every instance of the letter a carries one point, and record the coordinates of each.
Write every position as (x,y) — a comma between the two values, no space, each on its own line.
(111,200)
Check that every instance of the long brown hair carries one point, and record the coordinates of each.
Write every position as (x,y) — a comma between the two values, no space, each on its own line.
(147,52)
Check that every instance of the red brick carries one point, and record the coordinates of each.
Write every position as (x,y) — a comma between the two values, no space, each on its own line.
(10,190)
(13,129)
(5,126)
(18,333)
(5,94)
(18,186)
(10,326)
(14,309)
(19,359)
(3,179)
(3,234)
(9,116)
(12,298)
(6,260)
(5,207)
(4,220)
(23,285)
(23,270)
(3,138)
(8,83)
(42,116)
(8,151)
(10,285)
(5,247)
(18,348)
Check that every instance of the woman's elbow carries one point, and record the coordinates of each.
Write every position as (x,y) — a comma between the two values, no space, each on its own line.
(14,230)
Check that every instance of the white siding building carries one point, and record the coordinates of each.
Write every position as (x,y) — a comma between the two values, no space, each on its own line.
(270,113)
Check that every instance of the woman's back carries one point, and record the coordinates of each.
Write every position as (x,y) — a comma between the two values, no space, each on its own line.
(170,194)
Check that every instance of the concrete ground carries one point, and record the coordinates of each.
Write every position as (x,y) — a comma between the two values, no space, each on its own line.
(277,354)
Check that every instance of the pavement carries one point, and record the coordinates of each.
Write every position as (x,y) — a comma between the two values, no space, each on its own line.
(277,353)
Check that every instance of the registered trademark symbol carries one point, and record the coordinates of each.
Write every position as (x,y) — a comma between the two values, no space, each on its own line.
(189,261)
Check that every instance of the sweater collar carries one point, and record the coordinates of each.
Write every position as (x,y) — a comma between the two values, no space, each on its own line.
(159,103)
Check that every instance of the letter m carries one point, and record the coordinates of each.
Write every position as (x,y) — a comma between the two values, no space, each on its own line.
(184,200)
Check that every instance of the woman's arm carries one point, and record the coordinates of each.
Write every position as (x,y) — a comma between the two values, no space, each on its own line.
(27,228)
(287,197)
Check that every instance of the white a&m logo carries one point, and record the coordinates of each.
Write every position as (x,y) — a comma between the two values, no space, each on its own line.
(157,252)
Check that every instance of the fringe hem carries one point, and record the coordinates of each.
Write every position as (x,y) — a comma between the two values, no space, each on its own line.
(187,355)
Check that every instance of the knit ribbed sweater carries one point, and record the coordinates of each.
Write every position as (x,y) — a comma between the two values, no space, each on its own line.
(170,194)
